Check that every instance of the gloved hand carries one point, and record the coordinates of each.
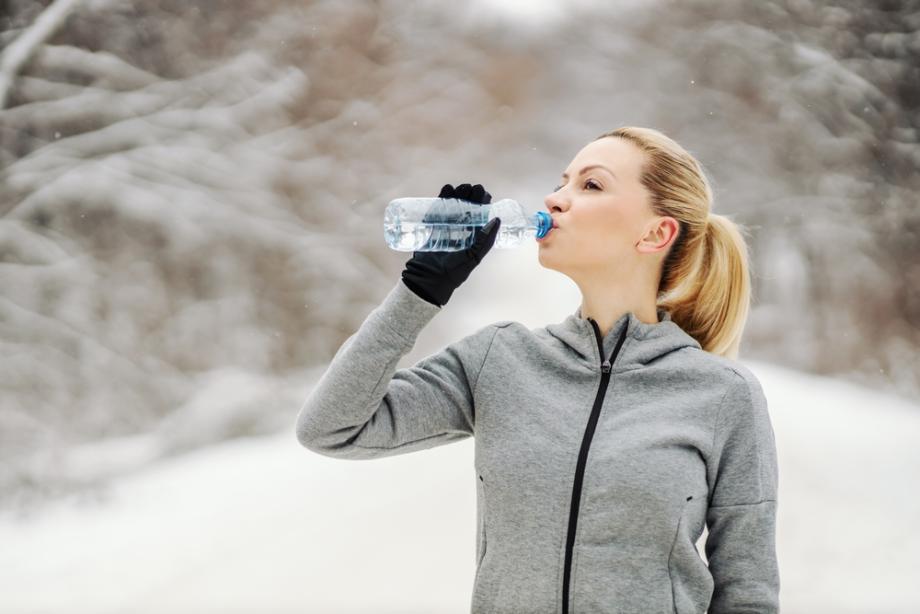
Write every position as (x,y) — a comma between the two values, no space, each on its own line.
(435,275)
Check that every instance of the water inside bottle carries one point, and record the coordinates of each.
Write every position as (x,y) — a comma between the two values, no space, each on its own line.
(429,236)
(440,237)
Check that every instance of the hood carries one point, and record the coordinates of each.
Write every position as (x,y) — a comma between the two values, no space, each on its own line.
(644,342)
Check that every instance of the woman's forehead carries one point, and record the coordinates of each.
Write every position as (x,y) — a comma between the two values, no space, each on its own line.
(623,158)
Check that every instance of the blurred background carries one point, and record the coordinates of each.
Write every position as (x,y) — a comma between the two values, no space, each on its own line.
(191,205)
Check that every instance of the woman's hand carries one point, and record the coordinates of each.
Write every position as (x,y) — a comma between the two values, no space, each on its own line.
(435,275)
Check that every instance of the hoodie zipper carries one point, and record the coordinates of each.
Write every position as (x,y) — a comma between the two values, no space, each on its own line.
(606,366)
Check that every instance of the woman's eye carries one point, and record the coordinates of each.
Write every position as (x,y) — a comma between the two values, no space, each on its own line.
(589,182)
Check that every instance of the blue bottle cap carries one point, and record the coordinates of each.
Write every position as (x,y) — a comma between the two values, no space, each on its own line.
(544,224)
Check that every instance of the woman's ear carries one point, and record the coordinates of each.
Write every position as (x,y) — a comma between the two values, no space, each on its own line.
(660,236)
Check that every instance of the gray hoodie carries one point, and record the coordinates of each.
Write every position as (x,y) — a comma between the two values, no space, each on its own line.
(595,470)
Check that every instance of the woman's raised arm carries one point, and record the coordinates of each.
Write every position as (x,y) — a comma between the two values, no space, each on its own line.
(363,407)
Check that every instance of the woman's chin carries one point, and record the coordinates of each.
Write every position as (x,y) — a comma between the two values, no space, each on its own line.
(545,258)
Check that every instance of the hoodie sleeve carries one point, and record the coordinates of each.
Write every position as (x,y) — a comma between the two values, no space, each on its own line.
(741,519)
(363,407)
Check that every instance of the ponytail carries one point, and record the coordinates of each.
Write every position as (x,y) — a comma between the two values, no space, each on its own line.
(712,300)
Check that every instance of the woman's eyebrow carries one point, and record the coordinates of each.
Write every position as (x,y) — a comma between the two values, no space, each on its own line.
(588,168)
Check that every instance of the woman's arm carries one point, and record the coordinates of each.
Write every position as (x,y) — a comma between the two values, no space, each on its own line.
(362,407)
(741,520)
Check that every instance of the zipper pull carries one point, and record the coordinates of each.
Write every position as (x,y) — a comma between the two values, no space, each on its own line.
(605,367)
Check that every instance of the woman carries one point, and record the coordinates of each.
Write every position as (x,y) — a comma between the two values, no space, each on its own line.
(602,443)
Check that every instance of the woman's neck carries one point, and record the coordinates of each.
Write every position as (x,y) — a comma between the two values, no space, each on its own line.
(606,303)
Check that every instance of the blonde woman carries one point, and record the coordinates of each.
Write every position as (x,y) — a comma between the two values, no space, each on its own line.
(603,443)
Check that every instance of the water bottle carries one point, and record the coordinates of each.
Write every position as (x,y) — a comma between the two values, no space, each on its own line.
(447,224)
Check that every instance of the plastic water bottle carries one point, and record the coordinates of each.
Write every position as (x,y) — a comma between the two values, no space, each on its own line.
(448,224)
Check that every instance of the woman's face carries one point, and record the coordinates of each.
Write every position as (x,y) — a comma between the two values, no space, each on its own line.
(601,211)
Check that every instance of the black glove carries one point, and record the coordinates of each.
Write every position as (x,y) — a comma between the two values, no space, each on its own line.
(435,275)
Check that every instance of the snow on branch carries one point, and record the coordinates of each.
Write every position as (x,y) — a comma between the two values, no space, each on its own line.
(162,122)
(235,82)
(106,69)
(35,89)
(17,53)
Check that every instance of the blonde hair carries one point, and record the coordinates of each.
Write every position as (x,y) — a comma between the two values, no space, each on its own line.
(705,278)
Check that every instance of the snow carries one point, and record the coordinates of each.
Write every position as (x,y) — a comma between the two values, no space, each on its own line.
(263,525)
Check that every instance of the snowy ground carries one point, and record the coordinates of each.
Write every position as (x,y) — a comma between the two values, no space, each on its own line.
(263,525)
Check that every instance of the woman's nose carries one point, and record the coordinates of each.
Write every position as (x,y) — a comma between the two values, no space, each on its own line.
(555,203)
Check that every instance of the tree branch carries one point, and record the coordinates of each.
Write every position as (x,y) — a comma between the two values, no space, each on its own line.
(17,53)
(229,84)
(107,69)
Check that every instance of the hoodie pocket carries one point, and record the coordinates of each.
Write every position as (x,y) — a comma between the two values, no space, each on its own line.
(483,590)
(481,502)
(691,582)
